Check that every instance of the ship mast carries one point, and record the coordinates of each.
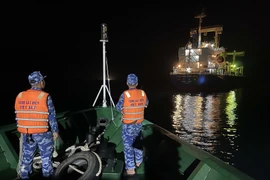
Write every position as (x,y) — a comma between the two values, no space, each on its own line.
(200,16)
(104,39)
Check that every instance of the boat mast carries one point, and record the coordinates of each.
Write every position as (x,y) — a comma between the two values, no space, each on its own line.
(104,39)
(200,16)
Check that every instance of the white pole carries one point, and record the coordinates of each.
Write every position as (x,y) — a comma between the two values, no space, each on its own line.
(104,104)
(104,39)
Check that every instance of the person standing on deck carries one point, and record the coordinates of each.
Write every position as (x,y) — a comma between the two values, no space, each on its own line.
(36,121)
(132,103)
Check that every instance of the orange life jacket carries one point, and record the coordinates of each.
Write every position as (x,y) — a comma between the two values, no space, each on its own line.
(32,112)
(133,106)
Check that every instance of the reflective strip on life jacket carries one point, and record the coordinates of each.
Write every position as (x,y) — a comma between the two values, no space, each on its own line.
(28,127)
(31,119)
(133,119)
(32,112)
(131,107)
(128,95)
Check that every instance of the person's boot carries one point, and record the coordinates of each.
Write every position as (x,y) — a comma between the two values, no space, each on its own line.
(130,172)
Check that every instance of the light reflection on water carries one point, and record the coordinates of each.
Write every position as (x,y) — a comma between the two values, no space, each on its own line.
(208,122)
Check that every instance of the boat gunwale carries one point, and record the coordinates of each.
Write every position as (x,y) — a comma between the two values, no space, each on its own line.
(212,161)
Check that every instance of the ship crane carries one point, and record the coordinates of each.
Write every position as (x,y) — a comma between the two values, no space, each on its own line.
(234,54)
(217,29)
(232,67)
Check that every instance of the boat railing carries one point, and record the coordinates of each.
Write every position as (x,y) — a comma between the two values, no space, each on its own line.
(214,71)
(190,158)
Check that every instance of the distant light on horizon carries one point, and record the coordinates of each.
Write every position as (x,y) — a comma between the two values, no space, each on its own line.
(110,78)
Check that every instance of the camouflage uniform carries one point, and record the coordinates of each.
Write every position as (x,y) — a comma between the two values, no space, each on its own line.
(130,132)
(44,141)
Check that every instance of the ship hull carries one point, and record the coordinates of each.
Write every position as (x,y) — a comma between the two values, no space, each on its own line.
(206,82)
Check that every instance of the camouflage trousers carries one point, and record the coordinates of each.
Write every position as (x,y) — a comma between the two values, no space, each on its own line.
(44,142)
(129,133)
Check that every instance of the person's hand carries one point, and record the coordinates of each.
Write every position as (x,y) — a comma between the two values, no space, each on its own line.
(55,136)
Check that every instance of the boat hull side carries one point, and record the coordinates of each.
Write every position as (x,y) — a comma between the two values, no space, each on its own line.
(206,82)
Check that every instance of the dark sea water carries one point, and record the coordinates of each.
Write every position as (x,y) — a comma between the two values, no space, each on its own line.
(231,125)
(234,126)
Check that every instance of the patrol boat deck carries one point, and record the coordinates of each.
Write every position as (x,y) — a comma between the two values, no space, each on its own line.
(90,147)
(166,155)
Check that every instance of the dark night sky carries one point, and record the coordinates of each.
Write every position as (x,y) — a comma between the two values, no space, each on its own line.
(143,38)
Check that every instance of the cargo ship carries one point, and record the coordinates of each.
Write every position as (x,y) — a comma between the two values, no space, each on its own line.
(205,65)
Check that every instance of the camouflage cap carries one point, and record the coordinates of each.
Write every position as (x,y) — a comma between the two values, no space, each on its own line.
(35,77)
(132,79)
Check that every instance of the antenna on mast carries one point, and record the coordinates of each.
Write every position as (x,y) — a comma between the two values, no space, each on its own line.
(200,17)
(104,39)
